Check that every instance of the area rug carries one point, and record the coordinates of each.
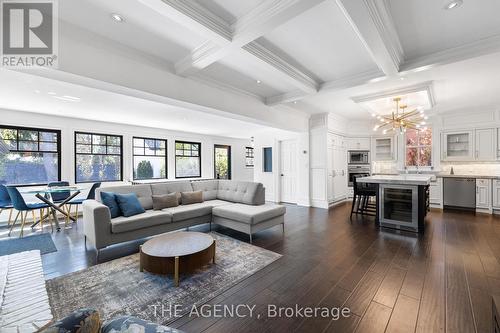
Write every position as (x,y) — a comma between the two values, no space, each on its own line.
(42,242)
(118,288)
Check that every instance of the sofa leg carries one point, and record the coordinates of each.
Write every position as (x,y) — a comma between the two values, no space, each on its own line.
(97,256)
(283,227)
(250,238)
(85,241)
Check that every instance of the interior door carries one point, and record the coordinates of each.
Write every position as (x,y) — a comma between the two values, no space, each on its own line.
(222,162)
(288,167)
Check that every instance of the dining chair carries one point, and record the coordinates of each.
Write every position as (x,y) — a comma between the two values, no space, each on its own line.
(5,202)
(77,202)
(24,208)
(58,197)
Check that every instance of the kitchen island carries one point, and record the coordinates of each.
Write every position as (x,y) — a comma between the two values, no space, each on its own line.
(402,201)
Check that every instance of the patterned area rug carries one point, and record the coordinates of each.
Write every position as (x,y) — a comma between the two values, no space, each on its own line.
(118,288)
(42,242)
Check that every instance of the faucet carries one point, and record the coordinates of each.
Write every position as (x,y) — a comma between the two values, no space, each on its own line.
(418,171)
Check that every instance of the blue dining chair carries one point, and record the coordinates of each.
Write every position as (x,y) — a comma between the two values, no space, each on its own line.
(24,208)
(5,202)
(58,197)
(77,202)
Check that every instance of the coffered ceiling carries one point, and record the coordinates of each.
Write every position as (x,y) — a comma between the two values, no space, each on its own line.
(308,55)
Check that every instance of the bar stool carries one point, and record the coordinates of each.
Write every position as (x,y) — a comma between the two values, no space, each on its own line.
(361,203)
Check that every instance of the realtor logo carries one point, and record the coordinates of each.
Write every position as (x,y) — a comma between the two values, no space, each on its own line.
(29,33)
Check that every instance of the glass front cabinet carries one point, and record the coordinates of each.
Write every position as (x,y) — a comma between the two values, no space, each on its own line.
(457,146)
(383,149)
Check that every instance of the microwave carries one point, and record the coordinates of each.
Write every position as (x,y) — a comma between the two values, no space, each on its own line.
(358,157)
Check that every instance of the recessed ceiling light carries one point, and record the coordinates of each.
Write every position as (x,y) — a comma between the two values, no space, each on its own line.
(51,93)
(453,4)
(402,78)
(117,18)
(259,81)
(294,102)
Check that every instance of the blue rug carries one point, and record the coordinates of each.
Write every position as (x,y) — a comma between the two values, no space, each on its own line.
(42,242)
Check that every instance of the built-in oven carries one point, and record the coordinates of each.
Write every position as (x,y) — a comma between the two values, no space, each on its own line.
(358,157)
(353,170)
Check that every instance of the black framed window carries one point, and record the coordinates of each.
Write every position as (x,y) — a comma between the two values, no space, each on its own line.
(98,157)
(149,158)
(267,159)
(249,157)
(34,156)
(187,159)
(222,162)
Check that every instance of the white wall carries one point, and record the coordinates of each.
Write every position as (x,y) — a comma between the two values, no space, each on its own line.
(69,125)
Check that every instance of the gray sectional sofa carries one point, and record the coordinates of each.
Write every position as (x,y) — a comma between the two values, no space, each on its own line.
(234,204)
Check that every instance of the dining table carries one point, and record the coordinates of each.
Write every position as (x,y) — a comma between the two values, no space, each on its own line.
(44,194)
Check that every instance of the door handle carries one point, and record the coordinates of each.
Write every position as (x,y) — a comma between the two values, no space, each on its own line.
(282,175)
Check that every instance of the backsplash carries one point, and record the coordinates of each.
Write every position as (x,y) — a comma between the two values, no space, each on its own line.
(488,169)
(389,167)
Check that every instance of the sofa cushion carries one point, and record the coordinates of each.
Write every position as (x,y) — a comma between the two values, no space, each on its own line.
(165,201)
(143,193)
(208,187)
(238,191)
(128,324)
(147,219)
(172,187)
(216,203)
(188,198)
(129,204)
(109,200)
(185,212)
(249,214)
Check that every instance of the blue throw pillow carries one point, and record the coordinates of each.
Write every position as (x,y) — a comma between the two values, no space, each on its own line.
(129,204)
(109,199)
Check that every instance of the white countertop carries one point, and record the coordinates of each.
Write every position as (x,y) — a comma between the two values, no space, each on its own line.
(397,179)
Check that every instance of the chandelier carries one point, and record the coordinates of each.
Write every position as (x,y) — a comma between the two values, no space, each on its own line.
(400,119)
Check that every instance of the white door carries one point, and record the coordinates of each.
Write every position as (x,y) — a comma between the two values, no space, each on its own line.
(288,165)
(340,166)
(485,145)
(331,174)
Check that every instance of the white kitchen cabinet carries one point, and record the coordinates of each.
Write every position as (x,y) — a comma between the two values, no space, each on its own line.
(457,145)
(483,193)
(383,149)
(336,168)
(436,192)
(496,193)
(358,143)
(485,145)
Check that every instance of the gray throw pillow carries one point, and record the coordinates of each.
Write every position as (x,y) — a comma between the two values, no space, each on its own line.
(188,198)
(165,201)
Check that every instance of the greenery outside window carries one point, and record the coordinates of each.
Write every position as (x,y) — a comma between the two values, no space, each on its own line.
(98,157)
(149,158)
(34,156)
(187,159)
(418,148)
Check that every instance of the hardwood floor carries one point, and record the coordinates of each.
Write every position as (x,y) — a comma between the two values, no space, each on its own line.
(441,281)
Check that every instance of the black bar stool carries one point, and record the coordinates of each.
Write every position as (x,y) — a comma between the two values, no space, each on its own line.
(361,203)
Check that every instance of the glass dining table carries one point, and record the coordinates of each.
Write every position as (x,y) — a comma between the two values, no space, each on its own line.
(44,194)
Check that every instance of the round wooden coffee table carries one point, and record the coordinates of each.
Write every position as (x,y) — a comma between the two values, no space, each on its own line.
(176,253)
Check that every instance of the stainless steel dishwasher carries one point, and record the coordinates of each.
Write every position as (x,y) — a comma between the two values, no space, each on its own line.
(459,193)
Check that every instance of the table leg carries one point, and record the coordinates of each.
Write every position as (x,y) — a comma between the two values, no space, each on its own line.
(53,208)
(176,272)
(213,257)
(141,269)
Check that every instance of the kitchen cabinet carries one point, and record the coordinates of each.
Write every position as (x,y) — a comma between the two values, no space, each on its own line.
(358,143)
(457,145)
(485,145)
(496,193)
(483,193)
(436,192)
(337,168)
(383,149)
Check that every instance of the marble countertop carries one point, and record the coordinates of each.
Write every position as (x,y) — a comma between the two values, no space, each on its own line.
(447,175)
(405,179)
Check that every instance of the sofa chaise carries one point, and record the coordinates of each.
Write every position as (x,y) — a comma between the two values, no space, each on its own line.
(233,204)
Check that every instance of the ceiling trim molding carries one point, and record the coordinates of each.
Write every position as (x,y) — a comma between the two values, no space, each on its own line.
(463,52)
(423,86)
(342,83)
(372,22)
(224,86)
(296,77)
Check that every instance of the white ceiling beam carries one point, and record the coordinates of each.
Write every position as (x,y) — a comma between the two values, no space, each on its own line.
(372,22)
(343,83)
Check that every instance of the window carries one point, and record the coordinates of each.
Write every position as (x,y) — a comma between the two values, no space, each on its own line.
(222,162)
(418,147)
(187,159)
(150,158)
(268,159)
(249,157)
(98,157)
(34,157)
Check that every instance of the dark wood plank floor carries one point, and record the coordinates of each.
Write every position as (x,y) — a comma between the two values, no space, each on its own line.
(441,281)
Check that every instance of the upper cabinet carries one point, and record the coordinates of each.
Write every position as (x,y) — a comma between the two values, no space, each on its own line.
(358,143)
(383,149)
(457,146)
(469,145)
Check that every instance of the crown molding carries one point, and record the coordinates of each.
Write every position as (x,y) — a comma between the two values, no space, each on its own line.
(423,86)
(224,86)
(463,52)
